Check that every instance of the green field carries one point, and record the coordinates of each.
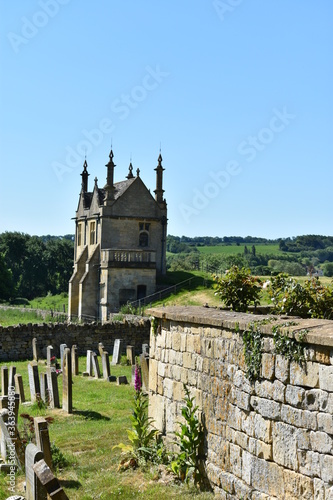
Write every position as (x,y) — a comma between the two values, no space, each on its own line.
(239,249)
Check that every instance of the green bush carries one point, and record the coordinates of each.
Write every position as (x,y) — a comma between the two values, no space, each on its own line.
(238,289)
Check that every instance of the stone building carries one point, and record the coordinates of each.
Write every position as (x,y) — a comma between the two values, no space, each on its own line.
(120,243)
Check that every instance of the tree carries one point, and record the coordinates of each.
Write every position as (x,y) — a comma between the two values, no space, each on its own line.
(6,281)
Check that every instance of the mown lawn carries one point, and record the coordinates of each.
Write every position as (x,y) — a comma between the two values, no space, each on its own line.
(226,250)
(101,415)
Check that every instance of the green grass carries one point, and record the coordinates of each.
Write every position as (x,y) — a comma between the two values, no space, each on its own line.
(101,415)
(15,316)
(272,249)
(54,302)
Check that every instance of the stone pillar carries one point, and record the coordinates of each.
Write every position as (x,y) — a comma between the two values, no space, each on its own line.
(33,380)
(100,348)
(4,380)
(19,387)
(106,365)
(34,349)
(75,360)
(144,361)
(67,403)
(34,489)
(43,439)
(95,365)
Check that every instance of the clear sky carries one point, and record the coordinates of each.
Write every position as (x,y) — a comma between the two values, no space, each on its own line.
(238,93)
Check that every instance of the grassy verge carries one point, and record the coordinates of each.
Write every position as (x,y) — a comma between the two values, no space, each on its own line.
(101,415)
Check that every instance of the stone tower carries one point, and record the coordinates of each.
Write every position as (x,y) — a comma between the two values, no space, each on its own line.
(120,243)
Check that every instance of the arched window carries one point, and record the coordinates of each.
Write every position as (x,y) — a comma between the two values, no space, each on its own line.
(143,239)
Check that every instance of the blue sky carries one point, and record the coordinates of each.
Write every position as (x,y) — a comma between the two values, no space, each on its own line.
(238,93)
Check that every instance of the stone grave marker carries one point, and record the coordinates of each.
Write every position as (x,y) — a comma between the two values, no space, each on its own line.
(3,402)
(11,376)
(4,380)
(34,488)
(100,348)
(49,354)
(52,384)
(89,363)
(33,380)
(62,350)
(106,365)
(19,388)
(75,360)
(116,352)
(130,354)
(144,362)
(67,403)
(44,393)
(95,365)
(122,380)
(145,349)
(48,480)
(43,439)
(34,349)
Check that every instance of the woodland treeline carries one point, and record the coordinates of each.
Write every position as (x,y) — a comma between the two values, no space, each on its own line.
(32,266)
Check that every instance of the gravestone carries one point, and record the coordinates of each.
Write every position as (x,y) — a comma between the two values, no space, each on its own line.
(3,402)
(100,348)
(89,363)
(145,349)
(62,350)
(43,439)
(19,388)
(34,349)
(130,354)
(11,376)
(67,403)
(34,488)
(95,365)
(33,380)
(106,365)
(144,362)
(44,393)
(116,352)
(52,384)
(122,380)
(48,480)
(49,355)
(4,380)
(75,360)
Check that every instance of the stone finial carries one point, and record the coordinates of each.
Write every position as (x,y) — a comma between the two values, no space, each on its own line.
(138,172)
(85,176)
(130,171)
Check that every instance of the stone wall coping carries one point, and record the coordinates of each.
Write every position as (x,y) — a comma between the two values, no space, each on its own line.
(320,331)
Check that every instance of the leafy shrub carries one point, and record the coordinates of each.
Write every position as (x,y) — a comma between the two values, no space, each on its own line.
(59,461)
(238,289)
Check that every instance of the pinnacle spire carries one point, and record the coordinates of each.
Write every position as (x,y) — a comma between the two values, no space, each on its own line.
(84,175)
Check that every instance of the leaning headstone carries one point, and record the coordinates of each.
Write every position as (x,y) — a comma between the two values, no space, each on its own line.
(100,348)
(133,374)
(34,488)
(130,354)
(33,380)
(145,349)
(10,442)
(49,355)
(52,385)
(116,352)
(122,380)
(48,480)
(3,402)
(19,389)
(11,375)
(4,380)
(67,404)
(44,393)
(95,365)
(144,362)
(4,434)
(106,365)
(34,349)
(89,362)
(43,439)
(62,350)
(75,360)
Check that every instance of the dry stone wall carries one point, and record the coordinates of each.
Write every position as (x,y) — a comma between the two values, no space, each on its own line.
(16,341)
(272,438)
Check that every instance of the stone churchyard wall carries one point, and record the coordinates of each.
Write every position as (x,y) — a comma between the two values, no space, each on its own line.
(16,341)
(272,438)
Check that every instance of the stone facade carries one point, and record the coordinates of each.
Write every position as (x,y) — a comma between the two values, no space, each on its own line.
(272,438)
(16,341)
(120,243)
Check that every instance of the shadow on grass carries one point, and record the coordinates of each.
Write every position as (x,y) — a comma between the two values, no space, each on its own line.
(90,415)
(70,484)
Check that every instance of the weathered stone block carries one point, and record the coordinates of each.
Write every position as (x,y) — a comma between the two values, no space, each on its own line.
(269,409)
(285,445)
(240,399)
(307,376)
(236,460)
(325,422)
(321,442)
(267,477)
(326,468)
(281,368)
(299,418)
(326,378)
(309,463)
(268,365)
(297,486)
(294,395)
